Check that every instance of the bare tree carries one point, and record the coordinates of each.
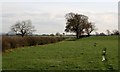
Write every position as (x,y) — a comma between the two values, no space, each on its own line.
(76,23)
(63,34)
(116,32)
(23,28)
(108,32)
(57,34)
(96,33)
(89,28)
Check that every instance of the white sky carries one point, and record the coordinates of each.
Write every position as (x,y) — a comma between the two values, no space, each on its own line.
(59,0)
(49,17)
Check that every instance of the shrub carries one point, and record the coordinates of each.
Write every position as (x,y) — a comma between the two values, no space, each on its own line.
(10,42)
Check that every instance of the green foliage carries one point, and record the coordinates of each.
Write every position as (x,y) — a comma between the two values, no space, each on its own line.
(80,54)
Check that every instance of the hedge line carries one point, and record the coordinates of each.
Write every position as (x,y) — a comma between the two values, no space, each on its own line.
(11,42)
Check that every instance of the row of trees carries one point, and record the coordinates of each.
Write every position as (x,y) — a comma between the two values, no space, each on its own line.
(113,32)
(76,23)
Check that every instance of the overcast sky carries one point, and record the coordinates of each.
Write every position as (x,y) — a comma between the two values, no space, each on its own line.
(49,17)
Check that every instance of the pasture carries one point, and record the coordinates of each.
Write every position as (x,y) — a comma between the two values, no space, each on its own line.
(69,54)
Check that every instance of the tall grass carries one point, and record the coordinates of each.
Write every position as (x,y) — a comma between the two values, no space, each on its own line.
(10,42)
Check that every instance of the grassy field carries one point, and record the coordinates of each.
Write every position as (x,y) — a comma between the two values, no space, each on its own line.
(65,55)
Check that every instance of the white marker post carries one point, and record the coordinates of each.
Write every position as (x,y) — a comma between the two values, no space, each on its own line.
(104,54)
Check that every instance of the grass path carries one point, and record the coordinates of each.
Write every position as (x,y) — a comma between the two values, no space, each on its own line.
(74,55)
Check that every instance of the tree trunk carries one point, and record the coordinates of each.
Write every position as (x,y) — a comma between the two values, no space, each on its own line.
(77,35)
(22,35)
(88,34)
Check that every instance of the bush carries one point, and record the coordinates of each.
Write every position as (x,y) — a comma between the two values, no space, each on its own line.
(10,42)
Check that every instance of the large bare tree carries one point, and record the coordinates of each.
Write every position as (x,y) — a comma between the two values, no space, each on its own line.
(23,28)
(77,23)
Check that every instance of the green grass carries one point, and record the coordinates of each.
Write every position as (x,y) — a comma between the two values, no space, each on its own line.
(66,55)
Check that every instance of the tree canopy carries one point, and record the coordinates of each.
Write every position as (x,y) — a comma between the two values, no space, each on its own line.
(78,24)
(23,28)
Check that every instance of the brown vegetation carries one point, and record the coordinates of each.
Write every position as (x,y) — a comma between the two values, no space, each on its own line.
(10,42)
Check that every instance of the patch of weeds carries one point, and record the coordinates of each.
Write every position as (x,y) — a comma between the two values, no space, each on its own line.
(90,62)
(46,68)
(81,53)
(28,67)
(77,67)
(109,67)
(96,67)
(63,57)
(66,67)
(53,65)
